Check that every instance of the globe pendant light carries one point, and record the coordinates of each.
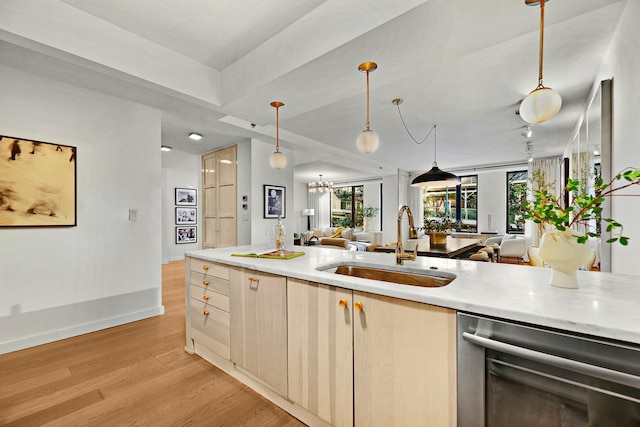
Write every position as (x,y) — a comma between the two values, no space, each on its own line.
(367,141)
(277,159)
(542,103)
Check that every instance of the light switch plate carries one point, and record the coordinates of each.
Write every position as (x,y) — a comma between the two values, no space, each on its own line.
(133,214)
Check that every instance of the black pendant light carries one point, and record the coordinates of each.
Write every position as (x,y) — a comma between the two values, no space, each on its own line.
(435,177)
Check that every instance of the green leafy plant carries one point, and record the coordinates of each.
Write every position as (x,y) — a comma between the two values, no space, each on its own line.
(370,212)
(547,209)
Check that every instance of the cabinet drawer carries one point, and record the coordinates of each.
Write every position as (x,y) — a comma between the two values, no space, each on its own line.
(214,325)
(210,268)
(209,282)
(210,297)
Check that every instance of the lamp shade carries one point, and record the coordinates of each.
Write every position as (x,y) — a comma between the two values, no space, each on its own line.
(308,212)
(278,160)
(435,178)
(540,105)
(367,141)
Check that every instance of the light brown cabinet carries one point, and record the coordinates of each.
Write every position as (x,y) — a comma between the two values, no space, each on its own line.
(258,309)
(207,306)
(320,321)
(400,354)
(219,198)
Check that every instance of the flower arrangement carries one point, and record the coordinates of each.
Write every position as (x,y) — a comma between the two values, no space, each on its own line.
(546,209)
(439,224)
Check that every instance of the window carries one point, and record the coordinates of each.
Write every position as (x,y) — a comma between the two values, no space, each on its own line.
(459,203)
(516,194)
(347,204)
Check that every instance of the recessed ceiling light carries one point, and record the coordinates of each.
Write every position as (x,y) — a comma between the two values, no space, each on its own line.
(165,148)
(195,136)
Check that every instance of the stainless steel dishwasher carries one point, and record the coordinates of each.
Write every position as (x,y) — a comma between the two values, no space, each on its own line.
(512,374)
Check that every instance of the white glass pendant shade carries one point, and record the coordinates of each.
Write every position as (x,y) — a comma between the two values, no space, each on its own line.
(367,141)
(540,105)
(278,160)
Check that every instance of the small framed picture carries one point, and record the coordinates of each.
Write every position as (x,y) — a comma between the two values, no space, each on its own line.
(186,197)
(186,235)
(274,201)
(186,216)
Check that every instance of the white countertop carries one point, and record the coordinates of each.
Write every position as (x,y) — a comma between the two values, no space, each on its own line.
(606,305)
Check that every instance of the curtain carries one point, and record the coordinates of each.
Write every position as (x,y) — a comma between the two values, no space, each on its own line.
(549,172)
(313,202)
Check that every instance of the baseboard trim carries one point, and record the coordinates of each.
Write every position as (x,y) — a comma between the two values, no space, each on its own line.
(47,337)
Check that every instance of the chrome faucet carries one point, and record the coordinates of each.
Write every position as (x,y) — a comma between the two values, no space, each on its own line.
(401,255)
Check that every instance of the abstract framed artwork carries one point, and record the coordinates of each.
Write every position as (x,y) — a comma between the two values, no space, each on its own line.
(185,216)
(274,201)
(186,235)
(37,183)
(186,197)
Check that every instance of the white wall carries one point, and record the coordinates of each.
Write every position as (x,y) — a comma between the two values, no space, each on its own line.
(243,182)
(263,174)
(492,200)
(64,281)
(179,170)
(623,64)
(371,193)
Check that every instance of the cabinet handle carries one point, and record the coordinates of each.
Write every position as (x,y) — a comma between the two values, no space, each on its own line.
(357,306)
(205,267)
(251,283)
(206,313)
(342,303)
(206,297)
(205,283)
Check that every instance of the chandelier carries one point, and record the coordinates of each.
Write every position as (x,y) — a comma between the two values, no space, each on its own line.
(321,186)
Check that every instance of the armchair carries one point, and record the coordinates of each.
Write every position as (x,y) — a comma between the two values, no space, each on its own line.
(513,248)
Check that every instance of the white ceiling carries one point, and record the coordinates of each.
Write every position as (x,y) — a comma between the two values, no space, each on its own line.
(463,64)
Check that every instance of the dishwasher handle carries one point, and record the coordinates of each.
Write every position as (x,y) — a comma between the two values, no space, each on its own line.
(559,362)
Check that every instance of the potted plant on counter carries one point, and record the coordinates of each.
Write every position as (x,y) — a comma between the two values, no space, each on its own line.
(567,228)
(368,214)
(438,228)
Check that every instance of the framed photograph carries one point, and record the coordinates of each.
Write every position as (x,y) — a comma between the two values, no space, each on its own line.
(37,183)
(186,216)
(186,235)
(186,197)
(274,201)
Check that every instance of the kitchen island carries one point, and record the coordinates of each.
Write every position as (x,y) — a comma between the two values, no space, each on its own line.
(605,305)
(341,350)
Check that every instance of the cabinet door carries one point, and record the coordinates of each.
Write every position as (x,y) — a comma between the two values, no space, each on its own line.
(258,310)
(404,363)
(320,350)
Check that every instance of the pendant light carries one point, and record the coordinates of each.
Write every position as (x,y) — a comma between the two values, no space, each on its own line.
(277,159)
(368,140)
(434,177)
(542,103)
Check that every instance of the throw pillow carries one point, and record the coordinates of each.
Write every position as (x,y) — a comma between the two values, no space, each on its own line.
(347,233)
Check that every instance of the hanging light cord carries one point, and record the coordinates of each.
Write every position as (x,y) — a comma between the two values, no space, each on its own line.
(407,129)
(368,124)
(277,131)
(542,2)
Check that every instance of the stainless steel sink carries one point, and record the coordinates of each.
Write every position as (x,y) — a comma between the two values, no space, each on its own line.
(424,278)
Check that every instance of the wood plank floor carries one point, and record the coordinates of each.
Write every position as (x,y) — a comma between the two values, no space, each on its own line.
(132,375)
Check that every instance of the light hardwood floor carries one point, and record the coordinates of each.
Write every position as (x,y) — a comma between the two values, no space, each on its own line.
(135,375)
